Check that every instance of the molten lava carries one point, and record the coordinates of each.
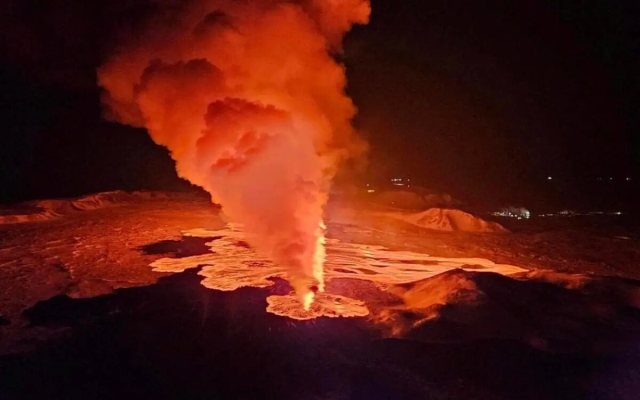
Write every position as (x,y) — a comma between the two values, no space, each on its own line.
(319,256)
(231,265)
(252,106)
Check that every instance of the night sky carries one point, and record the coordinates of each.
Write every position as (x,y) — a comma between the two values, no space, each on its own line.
(484,100)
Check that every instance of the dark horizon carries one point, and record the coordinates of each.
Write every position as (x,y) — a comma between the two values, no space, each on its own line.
(481,101)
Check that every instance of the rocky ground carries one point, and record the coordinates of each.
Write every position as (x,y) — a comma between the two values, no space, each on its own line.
(84,316)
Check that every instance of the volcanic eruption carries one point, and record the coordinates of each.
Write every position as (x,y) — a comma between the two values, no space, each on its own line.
(251,104)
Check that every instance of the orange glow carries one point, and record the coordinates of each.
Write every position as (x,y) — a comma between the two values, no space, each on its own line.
(252,106)
(326,305)
(230,266)
(308,300)
(319,256)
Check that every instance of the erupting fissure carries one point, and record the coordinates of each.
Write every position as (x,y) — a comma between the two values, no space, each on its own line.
(252,106)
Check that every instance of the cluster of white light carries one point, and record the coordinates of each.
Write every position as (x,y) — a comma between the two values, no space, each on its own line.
(519,213)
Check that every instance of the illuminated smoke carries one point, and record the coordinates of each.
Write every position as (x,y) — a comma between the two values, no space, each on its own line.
(251,104)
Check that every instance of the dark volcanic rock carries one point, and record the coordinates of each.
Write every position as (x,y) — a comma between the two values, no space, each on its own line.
(177,339)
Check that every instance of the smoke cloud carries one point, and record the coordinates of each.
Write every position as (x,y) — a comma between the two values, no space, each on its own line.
(251,104)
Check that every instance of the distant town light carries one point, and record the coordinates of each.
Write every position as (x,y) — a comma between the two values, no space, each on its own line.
(628,178)
(513,212)
(611,178)
(549,178)
(371,191)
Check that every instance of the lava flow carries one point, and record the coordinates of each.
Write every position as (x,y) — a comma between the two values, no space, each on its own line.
(231,265)
(251,104)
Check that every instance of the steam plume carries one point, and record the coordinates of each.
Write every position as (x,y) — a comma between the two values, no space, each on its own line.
(251,104)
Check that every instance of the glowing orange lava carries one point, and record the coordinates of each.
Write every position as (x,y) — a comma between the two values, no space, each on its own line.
(231,265)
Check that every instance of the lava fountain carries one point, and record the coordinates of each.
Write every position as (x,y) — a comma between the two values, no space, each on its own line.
(251,104)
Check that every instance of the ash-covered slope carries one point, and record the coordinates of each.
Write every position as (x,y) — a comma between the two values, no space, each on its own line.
(45,210)
(549,311)
(450,220)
